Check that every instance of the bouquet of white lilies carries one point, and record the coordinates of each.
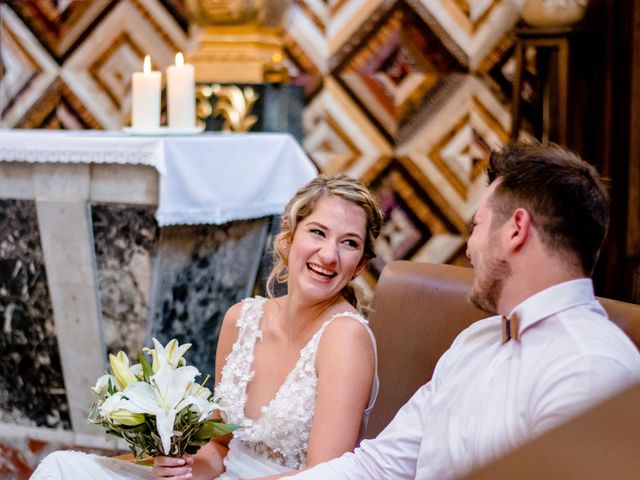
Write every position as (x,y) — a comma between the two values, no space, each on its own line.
(157,408)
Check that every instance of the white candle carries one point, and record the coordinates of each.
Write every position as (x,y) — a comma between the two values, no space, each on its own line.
(145,109)
(181,96)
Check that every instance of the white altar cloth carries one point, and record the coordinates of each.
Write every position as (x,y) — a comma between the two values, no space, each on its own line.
(79,146)
(210,178)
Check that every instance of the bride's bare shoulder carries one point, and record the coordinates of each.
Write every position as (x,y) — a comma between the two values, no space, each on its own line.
(346,333)
(232,314)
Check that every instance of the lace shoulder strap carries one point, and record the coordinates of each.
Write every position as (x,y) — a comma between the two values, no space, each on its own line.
(313,349)
(249,320)
(249,332)
(236,372)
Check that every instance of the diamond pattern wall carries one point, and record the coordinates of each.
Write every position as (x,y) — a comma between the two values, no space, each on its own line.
(68,64)
(407,95)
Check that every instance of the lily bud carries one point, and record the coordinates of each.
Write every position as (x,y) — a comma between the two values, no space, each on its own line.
(121,371)
(125,417)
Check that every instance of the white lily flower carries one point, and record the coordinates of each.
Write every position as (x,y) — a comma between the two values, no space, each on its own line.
(114,410)
(198,398)
(102,385)
(172,354)
(111,404)
(164,397)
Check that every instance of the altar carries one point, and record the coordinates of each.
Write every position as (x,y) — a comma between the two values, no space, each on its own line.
(110,239)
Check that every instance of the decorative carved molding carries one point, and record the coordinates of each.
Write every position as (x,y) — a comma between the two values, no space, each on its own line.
(233,104)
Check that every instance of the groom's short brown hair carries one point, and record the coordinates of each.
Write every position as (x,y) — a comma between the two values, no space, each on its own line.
(563,194)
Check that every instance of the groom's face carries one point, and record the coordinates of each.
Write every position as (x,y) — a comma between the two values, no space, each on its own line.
(485,251)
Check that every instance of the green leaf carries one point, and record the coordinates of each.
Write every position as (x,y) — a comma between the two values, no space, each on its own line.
(146,368)
(111,388)
(214,428)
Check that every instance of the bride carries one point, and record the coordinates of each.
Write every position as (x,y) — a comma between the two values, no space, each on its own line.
(297,372)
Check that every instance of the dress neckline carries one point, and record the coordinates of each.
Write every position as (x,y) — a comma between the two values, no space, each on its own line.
(251,372)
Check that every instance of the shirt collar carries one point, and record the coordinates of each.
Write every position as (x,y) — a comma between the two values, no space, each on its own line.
(553,300)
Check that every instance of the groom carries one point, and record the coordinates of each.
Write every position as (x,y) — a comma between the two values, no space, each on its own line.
(547,352)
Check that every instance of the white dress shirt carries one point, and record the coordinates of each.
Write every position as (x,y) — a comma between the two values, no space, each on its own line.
(486,397)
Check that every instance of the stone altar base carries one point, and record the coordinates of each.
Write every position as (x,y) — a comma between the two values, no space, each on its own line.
(175,282)
(200,272)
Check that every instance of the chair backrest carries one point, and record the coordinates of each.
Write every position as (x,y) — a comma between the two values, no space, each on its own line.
(418,309)
(598,444)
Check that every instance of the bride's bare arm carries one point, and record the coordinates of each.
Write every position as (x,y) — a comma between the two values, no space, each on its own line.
(345,363)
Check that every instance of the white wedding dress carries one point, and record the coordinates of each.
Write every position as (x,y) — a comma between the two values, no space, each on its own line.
(276,442)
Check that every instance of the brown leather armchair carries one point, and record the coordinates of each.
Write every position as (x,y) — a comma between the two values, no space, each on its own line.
(417,311)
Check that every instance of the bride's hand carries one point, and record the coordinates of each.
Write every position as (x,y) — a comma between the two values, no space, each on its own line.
(178,468)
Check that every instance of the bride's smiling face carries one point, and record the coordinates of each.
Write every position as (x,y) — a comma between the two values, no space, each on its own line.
(327,248)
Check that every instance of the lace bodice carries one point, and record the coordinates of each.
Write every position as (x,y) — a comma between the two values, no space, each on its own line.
(281,433)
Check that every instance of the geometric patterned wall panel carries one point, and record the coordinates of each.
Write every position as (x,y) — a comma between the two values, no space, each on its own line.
(470,29)
(395,68)
(69,64)
(338,135)
(451,149)
(407,95)
(99,71)
(27,70)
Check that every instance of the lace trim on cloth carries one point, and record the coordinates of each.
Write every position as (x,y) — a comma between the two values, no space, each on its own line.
(281,433)
(78,156)
(217,216)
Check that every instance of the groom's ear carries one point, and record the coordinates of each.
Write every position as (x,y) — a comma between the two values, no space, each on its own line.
(519,229)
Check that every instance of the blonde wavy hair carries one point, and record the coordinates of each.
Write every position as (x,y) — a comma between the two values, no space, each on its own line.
(302,205)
